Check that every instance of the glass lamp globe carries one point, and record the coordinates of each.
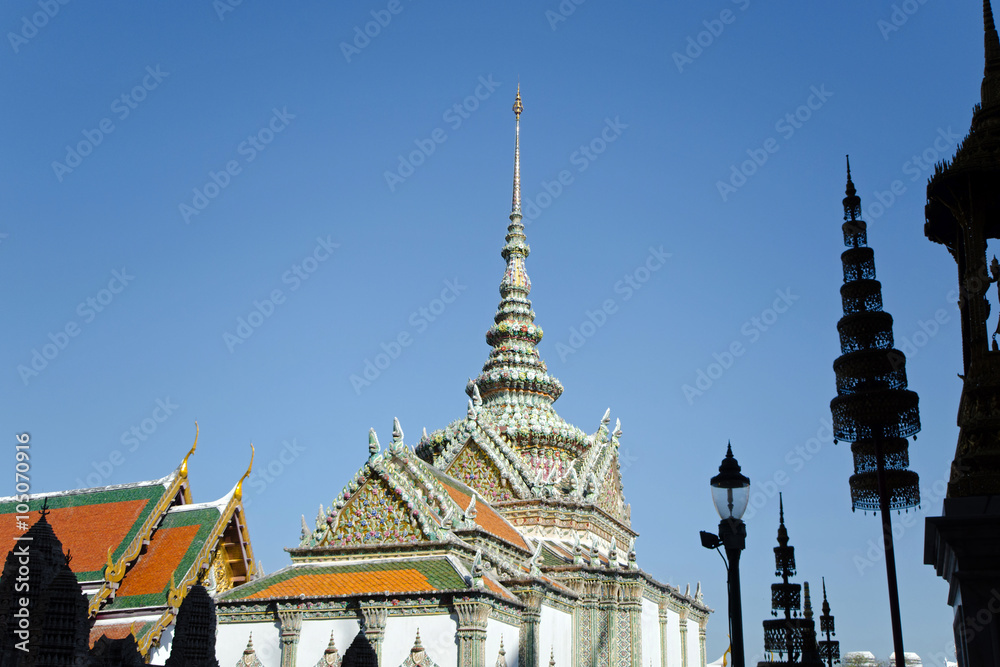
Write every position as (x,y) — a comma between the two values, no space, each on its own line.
(730,489)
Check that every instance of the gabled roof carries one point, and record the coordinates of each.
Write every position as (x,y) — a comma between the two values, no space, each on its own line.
(487,518)
(397,498)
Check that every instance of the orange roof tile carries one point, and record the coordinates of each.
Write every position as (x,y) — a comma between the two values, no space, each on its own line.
(111,631)
(86,531)
(347,583)
(496,588)
(151,573)
(487,518)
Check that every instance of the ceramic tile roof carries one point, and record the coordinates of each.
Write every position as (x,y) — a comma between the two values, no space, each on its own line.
(172,552)
(500,590)
(89,522)
(398,576)
(151,574)
(487,518)
(118,631)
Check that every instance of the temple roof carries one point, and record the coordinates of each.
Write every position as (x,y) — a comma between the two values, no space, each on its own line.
(384,576)
(396,498)
(93,522)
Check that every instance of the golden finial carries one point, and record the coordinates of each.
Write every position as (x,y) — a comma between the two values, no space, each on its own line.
(239,485)
(518,107)
(184,463)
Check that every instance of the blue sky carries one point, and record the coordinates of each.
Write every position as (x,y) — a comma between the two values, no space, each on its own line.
(214,154)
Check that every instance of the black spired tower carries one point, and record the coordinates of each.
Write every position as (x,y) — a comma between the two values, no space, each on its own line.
(963,214)
(829,648)
(788,635)
(873,409)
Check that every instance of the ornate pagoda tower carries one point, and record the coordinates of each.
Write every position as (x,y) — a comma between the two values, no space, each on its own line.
(548,477)
(829,648)
(792,637)
(963,214)
(873,409)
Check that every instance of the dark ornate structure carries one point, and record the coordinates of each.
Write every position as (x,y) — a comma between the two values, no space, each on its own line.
(194,639)
(963,213)
(52,628)
(829,649)
(792,637)
(360,653)
(873,408)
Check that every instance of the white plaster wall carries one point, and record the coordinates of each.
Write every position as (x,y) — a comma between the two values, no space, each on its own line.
(555,633)
(694,644)
(511,640)
(437,634)
(315,637)
(650,632)
(231,639)
(673,639)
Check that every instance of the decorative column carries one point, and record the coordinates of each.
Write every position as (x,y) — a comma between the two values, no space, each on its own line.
(583,619)
(608,634)
(373,617)
(528,651)
(701,641)
(632,604)
(664,617)
(472,618)
(291,627)
(684,638)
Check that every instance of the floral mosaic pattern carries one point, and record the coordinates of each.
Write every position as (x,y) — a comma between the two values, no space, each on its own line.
(376,515)
(473,467)
(624,637)
(610,498)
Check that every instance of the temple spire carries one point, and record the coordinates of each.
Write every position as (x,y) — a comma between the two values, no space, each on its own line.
(514,372)
(515,204)
(852,202)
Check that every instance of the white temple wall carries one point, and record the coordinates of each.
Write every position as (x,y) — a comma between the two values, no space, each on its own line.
(555,633)
(673,638)
(231,639)
(694,644)
(315,637)
(511,635)
(650,632)
(437,634)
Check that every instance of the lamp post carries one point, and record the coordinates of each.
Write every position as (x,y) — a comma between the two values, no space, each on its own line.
(731,495)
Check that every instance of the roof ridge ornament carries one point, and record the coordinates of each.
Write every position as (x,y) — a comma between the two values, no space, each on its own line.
(238,492)
(184,464)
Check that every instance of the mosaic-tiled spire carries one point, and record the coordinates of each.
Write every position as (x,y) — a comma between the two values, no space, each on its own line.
(514,373)
(873,408)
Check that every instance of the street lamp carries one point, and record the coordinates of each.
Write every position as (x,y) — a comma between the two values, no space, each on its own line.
(731,495)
